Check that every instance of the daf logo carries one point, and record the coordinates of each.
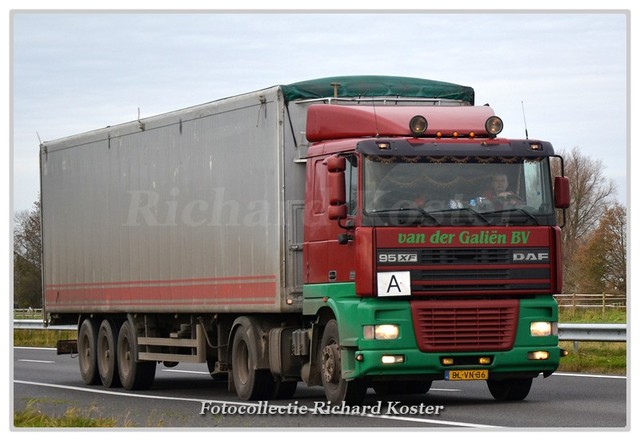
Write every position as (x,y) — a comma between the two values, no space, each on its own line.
(528,256)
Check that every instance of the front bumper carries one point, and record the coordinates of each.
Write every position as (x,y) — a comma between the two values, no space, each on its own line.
(513,363)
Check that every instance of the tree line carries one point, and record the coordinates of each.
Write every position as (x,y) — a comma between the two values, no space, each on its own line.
(595,233)
(594,237)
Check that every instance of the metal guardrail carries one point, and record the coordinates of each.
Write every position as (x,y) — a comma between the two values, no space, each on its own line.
(566,331)
(592,332)
(27,313)
(39,324)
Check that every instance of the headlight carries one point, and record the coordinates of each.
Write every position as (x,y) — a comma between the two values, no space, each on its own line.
(541,329)
(380,332)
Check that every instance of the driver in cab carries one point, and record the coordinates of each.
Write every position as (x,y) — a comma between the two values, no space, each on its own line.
(499,195)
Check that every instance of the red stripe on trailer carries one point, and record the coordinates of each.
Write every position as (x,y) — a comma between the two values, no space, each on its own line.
(193,291)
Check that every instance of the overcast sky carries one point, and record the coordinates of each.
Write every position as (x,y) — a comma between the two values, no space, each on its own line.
(75,72)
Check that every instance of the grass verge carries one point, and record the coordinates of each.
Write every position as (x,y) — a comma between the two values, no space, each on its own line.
(32,416)
(595,357)
(41,338)
(592,315)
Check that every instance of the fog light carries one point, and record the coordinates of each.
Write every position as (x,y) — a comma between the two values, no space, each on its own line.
(447,361)
(484,360)
(540,329)
(392,359)
(538,355)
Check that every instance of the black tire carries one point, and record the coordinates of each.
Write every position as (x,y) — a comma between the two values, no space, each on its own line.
(250,383)
(337,389)
(107,354)
(402,387)
(510,389)
(133,375)
(87,349)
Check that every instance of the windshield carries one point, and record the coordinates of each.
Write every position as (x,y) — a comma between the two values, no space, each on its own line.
(454,191)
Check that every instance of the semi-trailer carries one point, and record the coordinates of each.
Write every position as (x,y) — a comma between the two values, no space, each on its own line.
(351,232)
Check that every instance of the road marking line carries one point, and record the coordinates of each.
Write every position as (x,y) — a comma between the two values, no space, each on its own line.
(184,371)
(246,404)
(444,423)
(570,374)
(35,361)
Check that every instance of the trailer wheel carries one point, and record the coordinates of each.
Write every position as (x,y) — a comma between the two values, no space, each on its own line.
(336,388)
(106,354)
(133,375)
(250,383)
(510,389)
(87,347)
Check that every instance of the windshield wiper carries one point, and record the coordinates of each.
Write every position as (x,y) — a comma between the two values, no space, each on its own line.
(519,210)
(466,210)
(425,214)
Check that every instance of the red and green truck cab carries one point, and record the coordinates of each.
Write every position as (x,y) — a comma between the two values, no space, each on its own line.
(425,274)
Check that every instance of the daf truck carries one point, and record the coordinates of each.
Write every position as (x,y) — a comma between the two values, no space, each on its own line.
(344,232)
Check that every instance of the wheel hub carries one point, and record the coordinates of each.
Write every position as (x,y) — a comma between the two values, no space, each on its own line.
(331,363)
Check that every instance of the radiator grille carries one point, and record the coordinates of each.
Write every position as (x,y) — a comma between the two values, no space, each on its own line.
(483,325)
(449,256)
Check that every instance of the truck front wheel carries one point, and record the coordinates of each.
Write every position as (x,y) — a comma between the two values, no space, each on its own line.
(336,388)
(510,389)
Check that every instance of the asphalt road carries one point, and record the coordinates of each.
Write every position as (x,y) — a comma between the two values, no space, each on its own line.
(187,397)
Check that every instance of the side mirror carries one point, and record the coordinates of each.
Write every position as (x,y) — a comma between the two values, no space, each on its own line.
(337,212)
(562,196)
(336,166)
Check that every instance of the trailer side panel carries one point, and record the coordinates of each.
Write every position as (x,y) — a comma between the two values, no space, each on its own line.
(182,212)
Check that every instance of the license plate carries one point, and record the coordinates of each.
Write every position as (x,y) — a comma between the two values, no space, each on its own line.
(467,375)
